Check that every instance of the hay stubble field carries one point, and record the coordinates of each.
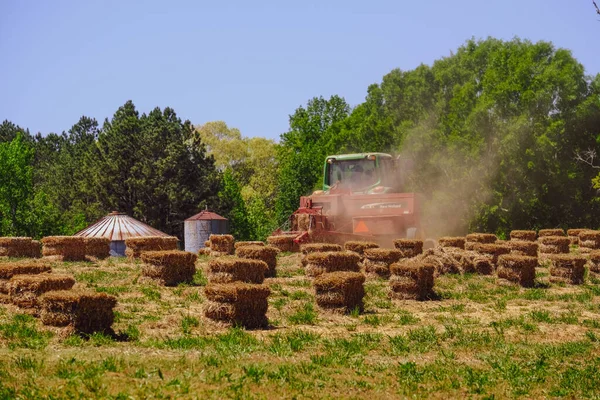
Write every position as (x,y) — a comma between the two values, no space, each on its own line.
(480,338)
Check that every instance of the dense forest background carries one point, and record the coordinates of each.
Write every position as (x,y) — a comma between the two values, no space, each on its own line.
(503,134)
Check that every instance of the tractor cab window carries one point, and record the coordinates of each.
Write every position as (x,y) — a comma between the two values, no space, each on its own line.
(352,174)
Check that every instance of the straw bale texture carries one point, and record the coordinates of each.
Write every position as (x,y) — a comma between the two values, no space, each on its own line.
(267,254)
(235,269)
(377,261)
(205,251)
(340,291)
(446,260)
(169,267)
(283,243)
(492,250)
(98,247)
(567,268)
(573,235)
(481,237)
(248,243)
(213,253)
(238,303)
(19,247)
(553,244)
(222,243)
(359,247)
(136,246)
(518,269)
(528,236)
(589,239)
(317,247)
(410,247)
(550,232)
(331,261)
(522,247)
(473,262)
(87,312)
(207,243)
(412,279)
(447,241)
(68,248)
(9,269)
(25,289)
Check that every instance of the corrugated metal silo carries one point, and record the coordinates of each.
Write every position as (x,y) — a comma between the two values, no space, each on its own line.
(199,228)
(117,227)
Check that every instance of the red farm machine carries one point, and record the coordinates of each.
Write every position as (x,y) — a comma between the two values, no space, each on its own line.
(362,199)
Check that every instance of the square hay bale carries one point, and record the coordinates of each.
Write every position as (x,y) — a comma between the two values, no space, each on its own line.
(595,261)
(19,247)
(412,279)
(553,244)
(446,260)
(481,238)
(447,241)
(207,243)
(87,312)
(283,243)
(410,247)
(315,248)
(204,251)
(550,232)
(331,261)
(340,291)
(248,243)
(377,261)
(573,235)
(238,303)
(25,289)
(67,248)
(169,267)
(475,263)
(222,243)
(213,253)
(527,236)
(359,247)
(136,246)
(589,239)
(236,269)
(567,268)
(267,254)
(98,247)
(492,250)
(522,247)
(25,267)
(518,269)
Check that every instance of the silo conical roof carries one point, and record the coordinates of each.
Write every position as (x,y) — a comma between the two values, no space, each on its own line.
(119,226)
(205,215)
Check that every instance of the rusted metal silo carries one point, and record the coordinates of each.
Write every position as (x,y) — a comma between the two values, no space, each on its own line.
(197,229)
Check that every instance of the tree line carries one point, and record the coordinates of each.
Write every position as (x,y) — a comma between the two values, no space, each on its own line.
(496,132)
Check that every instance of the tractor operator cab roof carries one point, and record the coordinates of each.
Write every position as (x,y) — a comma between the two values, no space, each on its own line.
(357,156)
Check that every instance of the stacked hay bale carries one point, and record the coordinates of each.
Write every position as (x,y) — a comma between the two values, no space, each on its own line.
(136,246)
(331,261)
(553,244)
(518,269)
(65,248)
(235,269)
(447,241)
(315,248)
(595,261)
(567,268)
(284,243)
(526,236)
(86,312)
(589,240)
(412,279)
(522,247)
(248,243)
(409,247)
(24,290)
(169,267)
(472,239)
(19,247)
(359,247)
(446,260)
(221,245)
(377,261)
(573,235)
(340,291)
(550,232)
(492,250)
(98,247)
(238,303)
(267,254)
(8,270)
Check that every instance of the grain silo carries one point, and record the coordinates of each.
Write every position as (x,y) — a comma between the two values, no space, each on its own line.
(199,228)
(117,227)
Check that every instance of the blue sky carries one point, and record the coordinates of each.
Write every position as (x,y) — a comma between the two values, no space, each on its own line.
(249,63)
